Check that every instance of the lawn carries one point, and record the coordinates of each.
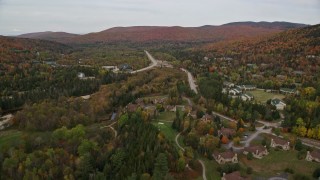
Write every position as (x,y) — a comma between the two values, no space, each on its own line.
(9,138)
(211,169)
(166,129)
(277,161)
(263,97)
(166,116)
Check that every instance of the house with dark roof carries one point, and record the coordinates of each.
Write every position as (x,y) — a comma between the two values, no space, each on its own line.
(226,132)
(278,142)
(236,175)
(279,104)
(125,67)
(207,117)
(313,156)
(225,157)
(132,108)
(257,151)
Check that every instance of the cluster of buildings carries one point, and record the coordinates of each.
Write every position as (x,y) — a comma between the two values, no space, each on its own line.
(241,91)
(152,106)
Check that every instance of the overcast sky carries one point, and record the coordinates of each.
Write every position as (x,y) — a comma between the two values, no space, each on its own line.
(84,16)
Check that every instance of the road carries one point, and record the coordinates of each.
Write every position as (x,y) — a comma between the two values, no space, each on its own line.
(176,139)
(153,64)
(223,117)
(202,164)
(191,80)
(110,126)
(203,170)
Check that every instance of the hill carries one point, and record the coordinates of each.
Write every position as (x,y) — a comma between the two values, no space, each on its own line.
(296,48)
(48,35)
(177,34)
(14,50)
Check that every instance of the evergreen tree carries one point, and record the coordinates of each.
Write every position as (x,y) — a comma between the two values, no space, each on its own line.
(161,167)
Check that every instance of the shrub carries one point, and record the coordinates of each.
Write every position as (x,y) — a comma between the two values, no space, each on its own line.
(300,177)
(249,170)
(249,156)
(289,170)
(299,145)
(302,154)
(316,173)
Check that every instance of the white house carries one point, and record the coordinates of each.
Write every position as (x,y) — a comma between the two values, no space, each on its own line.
(280,105)
(81,75)
(247,87)
(235,91)
(228,84)
(247,97)
(277,142)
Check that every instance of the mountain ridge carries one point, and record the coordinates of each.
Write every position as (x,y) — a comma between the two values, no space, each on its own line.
(169,33)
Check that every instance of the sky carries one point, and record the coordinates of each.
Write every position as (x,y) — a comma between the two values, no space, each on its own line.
(84,16)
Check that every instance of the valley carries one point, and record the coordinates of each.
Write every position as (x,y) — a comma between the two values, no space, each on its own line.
(239,100)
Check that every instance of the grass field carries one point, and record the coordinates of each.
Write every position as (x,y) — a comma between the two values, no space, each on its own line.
(277,161)
(211,169)
(166,116)
(9,138)
(263,97)
(166,129)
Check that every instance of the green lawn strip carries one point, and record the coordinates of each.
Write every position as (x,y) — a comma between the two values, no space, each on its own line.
(166,129)
(277,161)
(211,169)
(166,116)
(9,138)
(263,97)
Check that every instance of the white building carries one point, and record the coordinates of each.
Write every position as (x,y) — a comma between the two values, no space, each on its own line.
(280,105)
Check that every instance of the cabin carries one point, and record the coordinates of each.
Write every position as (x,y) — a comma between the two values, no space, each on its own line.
(313,156)
(257,151)
(277,142)
(225,157)
(280,105)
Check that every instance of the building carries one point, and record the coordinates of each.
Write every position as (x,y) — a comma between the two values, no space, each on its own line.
(207,118)
(247,97)
(132,108)
(257,151)
(226,132)
(81,75)
(288,91)
(235,91)
(313,156)
(228,84)
(277,142)
(247,87)
(280,105)
(125,67)
(233,176)
(225,157)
